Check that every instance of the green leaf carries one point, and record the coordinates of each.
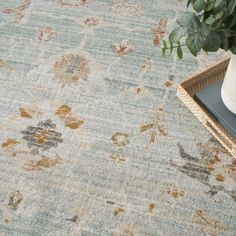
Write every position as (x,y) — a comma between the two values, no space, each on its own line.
(163,51)
(210,20)
(177,34)
(233,46)
(179,52)
(219,15)
(217,3)
(165,43)
(164,47)
(224,38)
(209,6)
(171,48)
(186,19)
(231,6)
(199,5)
(191,46)
(210,25)
(212,43)
(188,3)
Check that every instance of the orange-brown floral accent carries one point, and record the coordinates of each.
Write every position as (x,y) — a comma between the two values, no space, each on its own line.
(154,129)
(138,90)
(232,166)
(72,3)
(62,111)
(14,199)
(212,162)
(118,156)
(73,123)
(91,21)
(168,84)
(24,113)
(43,163)
(122,48)
(162,130)
(146,127)
(18,11)
(220,178)
(6,221)
(46,34)
(118,210)
(9,142)
(175,193)
(147,64)
(159,32)
(151,208)
(120,139)
(71,68)
(65,114)
(42,136)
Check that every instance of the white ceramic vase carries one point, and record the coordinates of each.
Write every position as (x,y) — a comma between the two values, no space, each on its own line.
(228,91)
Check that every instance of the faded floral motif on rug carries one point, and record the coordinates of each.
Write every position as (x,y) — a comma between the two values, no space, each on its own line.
(93,140)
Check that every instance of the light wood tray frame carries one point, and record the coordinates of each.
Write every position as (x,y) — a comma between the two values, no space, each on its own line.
(189,87)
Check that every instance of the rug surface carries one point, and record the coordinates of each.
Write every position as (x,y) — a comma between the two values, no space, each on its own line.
(93,139)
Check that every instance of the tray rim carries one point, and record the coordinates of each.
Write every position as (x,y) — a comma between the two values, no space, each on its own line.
(185,94)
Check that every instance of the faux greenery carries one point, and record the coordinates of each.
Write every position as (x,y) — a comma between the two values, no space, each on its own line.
(210,25)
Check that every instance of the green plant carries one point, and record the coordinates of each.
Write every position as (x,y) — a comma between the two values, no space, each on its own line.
(210,25)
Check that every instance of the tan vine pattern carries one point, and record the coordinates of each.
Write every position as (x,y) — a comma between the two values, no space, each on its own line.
(72,3)
(9,142)
(208,224)
(125,8)
(154,129)
(18,11)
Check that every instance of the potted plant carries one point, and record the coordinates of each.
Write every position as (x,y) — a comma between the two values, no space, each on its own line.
(209,26)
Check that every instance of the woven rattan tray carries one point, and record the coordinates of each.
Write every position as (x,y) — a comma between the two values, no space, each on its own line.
(189,87)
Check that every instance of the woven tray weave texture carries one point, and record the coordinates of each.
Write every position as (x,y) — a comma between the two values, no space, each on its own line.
(188,88)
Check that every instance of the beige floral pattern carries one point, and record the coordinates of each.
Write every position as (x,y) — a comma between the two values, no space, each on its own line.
(126,8)
(91,21)
(71,68)
(46,34)
(93,140)
(43,163)
(123,47)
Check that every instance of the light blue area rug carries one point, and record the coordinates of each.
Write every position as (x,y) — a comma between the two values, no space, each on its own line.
(93,139)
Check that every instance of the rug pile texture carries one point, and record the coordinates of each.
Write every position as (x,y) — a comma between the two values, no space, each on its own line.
(93,140)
